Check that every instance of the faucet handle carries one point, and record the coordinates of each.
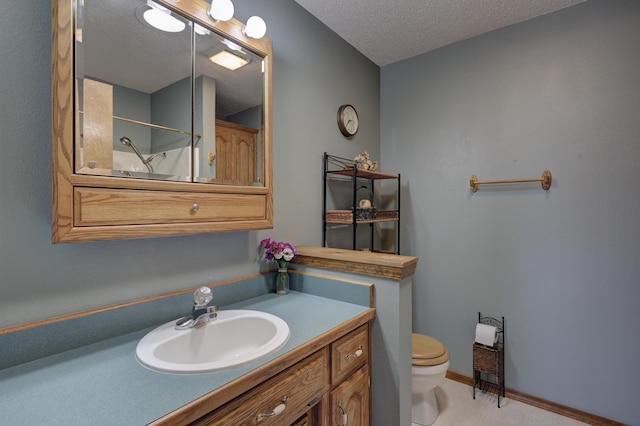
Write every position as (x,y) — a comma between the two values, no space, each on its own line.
(202,296)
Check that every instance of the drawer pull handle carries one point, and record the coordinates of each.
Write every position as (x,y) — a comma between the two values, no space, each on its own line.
(356,354)
(195,207)
(345,417)
(279,409)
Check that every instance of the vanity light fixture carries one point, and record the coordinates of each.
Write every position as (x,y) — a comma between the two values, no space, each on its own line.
(229,60)
(160,18)
(221,10)
(255,27)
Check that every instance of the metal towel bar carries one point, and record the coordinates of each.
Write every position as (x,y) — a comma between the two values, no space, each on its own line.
(545,179)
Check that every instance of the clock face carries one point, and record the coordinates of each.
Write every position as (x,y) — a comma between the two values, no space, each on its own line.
(348,122)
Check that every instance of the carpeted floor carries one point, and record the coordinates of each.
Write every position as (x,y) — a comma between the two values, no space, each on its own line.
(457,407)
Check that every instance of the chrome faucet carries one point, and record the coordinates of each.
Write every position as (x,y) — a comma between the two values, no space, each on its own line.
(201,313)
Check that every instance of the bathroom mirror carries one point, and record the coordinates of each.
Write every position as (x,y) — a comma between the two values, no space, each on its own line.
(149,96)
(149,136)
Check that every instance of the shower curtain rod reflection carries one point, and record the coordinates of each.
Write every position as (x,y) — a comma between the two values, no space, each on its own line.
(545,179)
(156,126)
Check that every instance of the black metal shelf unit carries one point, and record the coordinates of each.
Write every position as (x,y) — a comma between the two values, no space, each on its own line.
(347,170)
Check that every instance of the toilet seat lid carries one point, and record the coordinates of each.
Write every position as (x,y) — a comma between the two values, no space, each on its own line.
(427,351)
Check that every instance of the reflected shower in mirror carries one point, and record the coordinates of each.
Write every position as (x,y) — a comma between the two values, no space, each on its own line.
(134,82)
(152,104)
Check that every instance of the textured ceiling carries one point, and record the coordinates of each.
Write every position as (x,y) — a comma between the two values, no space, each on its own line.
(388,31)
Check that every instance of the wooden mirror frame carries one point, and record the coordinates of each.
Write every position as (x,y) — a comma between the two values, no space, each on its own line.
(99,208)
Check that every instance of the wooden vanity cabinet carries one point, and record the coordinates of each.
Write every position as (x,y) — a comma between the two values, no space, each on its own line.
(280,400)
(350,397)
(330,387)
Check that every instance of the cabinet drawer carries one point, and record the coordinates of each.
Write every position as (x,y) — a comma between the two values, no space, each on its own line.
(98,206)
(301,385)
(349,353)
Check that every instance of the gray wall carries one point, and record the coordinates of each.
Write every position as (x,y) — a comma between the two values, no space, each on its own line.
(560,92)
(171,107)
(314,72)
(136,105)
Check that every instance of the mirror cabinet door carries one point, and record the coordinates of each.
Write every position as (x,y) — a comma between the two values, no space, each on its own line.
(228,112)
(134,92)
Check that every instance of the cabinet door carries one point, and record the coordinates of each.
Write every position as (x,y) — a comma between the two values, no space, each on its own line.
(235,154)
(350,402)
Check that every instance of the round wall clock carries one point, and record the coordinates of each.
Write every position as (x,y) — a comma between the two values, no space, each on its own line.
(348,122)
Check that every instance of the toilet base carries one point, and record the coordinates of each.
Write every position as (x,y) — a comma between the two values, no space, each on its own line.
(424,408)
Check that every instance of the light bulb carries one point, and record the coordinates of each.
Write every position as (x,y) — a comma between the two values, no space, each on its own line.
(221,10)
(255,27)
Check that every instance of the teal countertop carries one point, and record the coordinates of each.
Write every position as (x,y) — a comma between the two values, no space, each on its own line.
(103,384)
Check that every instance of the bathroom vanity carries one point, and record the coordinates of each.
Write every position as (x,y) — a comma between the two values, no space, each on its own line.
(322,372)
(336,362)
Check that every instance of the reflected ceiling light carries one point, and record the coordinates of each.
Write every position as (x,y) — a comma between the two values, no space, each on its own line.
(160,17)
(231,45)
(255,27)
(199,29)
(229,60)
(221,10)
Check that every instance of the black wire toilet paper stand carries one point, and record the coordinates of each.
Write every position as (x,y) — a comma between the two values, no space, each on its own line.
(490,360)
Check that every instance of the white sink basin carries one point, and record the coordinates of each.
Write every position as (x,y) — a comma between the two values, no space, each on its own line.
(236,337)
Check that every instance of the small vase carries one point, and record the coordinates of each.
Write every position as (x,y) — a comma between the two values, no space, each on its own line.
(282,281)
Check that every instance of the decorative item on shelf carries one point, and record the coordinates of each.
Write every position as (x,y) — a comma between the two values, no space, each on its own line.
(366,214)
(282,253)
(363,162)
(365,204)
(365,210)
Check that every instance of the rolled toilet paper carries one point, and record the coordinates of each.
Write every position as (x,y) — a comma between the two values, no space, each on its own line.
(486,334)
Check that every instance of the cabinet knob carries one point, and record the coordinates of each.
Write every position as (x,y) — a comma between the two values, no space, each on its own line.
(195,207)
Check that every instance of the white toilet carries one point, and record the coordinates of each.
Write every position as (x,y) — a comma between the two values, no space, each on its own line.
(430,362)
